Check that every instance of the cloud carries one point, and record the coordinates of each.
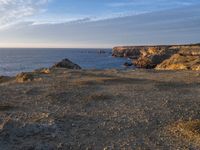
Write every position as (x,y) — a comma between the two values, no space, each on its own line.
(180,25)
(12,11)
(15,11)
(163,3)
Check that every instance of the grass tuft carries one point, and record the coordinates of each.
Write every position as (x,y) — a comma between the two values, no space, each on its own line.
(189,130)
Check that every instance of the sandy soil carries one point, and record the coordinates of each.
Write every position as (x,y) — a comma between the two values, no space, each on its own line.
(93,109)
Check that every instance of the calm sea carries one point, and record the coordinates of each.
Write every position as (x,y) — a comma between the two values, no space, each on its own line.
(13,61)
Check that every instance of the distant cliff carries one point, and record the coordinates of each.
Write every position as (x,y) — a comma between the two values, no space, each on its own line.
(163,57)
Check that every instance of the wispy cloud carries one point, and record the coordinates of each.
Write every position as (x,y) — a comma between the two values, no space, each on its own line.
(15,11)
(146,22)
(12,11)
(86,19)
(166,3)
(181,25)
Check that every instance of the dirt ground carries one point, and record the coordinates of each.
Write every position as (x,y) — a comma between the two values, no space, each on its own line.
(100,109)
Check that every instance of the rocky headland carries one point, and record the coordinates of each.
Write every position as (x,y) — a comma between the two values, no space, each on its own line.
(65,107)
(162,57)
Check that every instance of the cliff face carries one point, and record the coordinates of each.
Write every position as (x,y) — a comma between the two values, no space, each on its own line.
(162,57)
(128,51)
(134,51)
(188,58)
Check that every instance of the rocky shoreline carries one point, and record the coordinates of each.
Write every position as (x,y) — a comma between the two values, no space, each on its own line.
(65,107)
(163,57)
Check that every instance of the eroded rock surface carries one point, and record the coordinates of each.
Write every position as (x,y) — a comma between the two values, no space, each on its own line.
(180,62)
(153,56)
(131,52)
(185,59)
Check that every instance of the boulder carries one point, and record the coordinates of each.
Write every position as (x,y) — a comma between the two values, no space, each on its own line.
(128,64)
(66,63)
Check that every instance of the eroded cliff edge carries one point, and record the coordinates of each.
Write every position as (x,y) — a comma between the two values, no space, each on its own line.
(162,57)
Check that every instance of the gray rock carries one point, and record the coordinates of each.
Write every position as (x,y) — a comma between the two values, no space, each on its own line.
(66,63)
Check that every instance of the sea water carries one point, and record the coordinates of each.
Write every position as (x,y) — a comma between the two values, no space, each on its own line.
(15,60)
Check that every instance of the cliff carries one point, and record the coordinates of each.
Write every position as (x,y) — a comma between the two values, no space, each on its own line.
(162,57)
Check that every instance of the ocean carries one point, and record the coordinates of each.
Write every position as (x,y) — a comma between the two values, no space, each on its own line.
(15,60)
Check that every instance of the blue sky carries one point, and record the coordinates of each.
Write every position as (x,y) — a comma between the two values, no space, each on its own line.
(98,23)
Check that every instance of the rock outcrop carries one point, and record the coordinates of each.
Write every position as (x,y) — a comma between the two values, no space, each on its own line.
(162,57)
(127,51)
(152,56)
(66,63)
(24,77)
(37,75)
(183,60)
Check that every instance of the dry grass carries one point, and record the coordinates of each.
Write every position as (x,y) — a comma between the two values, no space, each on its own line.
(188,130)
(31,76)
(97,109)
(38,117)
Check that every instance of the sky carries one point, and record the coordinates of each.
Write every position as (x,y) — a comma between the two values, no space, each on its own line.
(98,23)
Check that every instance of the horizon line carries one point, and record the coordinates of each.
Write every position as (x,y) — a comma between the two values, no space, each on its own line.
(125,45)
